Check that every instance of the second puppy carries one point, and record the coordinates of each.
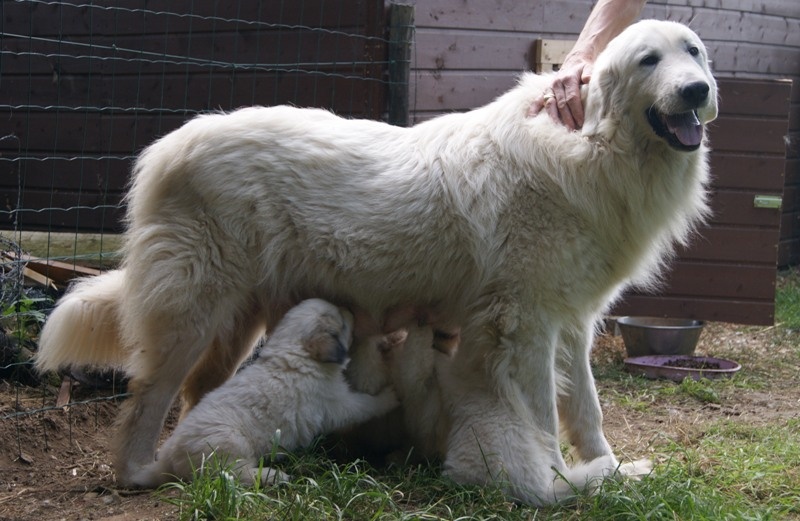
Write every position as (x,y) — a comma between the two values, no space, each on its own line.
(294,391)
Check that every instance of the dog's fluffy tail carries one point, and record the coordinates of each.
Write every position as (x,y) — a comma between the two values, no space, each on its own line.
(84,327)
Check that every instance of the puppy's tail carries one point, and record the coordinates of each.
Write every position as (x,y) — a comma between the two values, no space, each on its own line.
(84,327)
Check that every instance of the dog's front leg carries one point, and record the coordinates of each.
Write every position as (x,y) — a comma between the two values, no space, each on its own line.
(578,404)
(504,417)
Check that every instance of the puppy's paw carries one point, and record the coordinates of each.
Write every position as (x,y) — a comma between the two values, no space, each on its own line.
(636,469)
(268,476)
(387,400)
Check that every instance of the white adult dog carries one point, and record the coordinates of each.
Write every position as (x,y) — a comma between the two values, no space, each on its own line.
(512,226)
(295,387)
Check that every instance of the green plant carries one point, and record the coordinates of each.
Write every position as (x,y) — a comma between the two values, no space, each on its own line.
(27,311)
(787,298)
(213,493)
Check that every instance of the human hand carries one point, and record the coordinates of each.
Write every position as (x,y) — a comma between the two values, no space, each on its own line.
(562,99)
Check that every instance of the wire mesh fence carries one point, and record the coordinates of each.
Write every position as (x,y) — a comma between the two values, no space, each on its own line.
(84,86)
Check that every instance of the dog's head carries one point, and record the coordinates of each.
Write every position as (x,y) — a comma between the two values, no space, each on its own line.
(325,331)
(654,77)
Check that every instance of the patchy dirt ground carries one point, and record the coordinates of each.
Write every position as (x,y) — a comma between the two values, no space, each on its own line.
(54,461)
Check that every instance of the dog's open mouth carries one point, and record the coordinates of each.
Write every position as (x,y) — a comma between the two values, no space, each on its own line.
(682,131)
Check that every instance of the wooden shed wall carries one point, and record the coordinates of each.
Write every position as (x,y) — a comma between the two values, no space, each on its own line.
(467,53)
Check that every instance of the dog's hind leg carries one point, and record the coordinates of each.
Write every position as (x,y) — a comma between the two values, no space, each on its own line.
(221,360)
(169,338)
(578,404)
(153,388)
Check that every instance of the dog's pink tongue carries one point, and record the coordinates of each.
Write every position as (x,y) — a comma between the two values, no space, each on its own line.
(686,127)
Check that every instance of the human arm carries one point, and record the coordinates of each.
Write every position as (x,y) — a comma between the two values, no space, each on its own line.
(562,100)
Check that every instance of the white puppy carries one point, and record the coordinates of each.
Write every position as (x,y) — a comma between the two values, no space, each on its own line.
(293,392)
(514,228)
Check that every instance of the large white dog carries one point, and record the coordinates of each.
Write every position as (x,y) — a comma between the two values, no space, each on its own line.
(511,226)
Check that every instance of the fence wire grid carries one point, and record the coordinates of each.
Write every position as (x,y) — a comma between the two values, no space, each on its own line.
(84,86)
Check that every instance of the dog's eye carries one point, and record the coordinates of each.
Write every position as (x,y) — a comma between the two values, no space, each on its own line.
(694,51)
(650,60)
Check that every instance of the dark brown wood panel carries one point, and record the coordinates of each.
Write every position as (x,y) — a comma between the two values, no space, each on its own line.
(717,310)
(242,51)
(748,133)
(737,208)
(58,210)
(748,171)
(789,248)
(730,281)
(192,93)
(110,17)
(101,173)
(721,244)
(85,86)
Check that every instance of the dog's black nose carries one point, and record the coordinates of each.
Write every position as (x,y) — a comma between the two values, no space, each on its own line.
(695,93)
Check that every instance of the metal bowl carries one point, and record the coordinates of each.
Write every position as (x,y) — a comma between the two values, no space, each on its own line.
(659,336)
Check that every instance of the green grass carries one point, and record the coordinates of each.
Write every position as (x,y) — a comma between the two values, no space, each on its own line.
(787,299)
(732,472)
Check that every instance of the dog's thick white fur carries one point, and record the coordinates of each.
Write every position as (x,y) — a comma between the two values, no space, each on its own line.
(294,391)
(512,226)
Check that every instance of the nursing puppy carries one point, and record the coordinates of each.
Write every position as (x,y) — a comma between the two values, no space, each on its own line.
(291,393)
(512,227)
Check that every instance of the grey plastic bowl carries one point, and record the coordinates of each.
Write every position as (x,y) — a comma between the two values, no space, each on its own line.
(659,336)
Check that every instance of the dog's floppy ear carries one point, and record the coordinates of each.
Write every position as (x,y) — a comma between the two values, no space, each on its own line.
(598,99)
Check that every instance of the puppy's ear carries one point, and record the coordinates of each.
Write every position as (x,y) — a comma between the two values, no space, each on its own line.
(326,348)
(447,341)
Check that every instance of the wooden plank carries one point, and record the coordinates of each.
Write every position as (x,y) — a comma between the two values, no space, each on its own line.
(70,212)
(736,208)
(108,17)
(729,24)
(66,173)
(689,279)
(748,59)
(790,223)
(754,97)
(550,54)
(786,8)
(735,134)
(61,273)
(504,15)
(735,311)
(746,171)
(460,90)
(732,244)
(789,252)
(114,132)
(343,91)
(792,171)
(451,49)
(401,35)
(243,52)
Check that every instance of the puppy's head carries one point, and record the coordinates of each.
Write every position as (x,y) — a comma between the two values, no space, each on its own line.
(325,330)
(654,77)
